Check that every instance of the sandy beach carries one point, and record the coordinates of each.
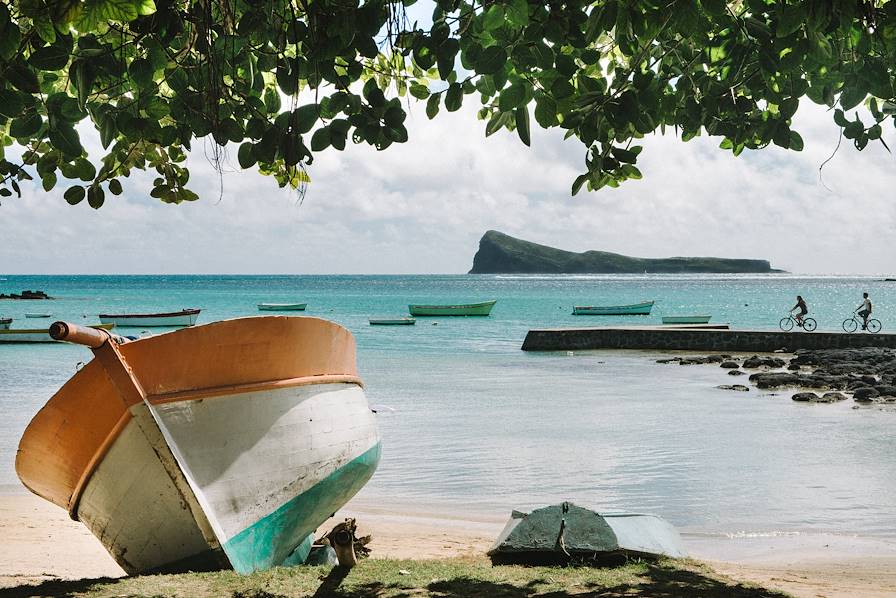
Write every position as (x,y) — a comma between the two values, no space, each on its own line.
(42,543)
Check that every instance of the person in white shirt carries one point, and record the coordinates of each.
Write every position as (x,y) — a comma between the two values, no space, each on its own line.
(864,310)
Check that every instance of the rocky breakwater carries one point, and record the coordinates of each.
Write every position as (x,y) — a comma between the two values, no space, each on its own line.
(26,295)
(866,374)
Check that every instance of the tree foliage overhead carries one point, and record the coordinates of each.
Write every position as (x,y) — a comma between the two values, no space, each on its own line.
(284,79)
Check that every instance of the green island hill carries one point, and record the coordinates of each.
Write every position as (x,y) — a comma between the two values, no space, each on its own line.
(502,254)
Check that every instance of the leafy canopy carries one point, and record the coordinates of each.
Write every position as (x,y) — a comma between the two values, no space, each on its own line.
(284,79)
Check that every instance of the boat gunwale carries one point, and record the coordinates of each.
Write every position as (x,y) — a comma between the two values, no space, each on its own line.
(180,396)
(629,306)
(184,312)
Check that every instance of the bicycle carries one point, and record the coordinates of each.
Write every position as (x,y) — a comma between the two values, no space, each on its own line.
(787,324)
(852,323)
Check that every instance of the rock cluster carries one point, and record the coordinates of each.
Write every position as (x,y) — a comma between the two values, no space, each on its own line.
(868,374)
(26,295)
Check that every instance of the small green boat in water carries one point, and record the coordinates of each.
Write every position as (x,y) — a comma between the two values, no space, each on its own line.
(282,306)
(468,309)
(686,319)
(393,322)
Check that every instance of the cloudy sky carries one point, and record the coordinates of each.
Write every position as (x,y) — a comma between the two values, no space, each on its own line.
(421,207)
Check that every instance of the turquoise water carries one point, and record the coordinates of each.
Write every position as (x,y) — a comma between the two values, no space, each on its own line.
(471,424)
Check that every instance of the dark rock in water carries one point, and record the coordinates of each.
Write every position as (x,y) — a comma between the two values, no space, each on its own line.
(805,397)
(739,387)
(500,254)
(669,360)
(865,393)
(692,361)
(886,390)
(736,373)
(832,397)
(774,379)
(26,295)
(716,358)
(729,365)
(793,367)
(757,362)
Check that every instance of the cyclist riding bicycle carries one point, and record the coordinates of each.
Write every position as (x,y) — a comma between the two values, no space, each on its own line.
(864,310)
(801,305)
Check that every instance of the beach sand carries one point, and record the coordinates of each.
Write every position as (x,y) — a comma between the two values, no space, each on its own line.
(40,543)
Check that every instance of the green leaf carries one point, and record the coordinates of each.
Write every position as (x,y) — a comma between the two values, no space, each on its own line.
(115,187)
(491,60)
(517,12)
(512,97)
(48,181)
(305,116)
(852,97)
(74,195)
(25,126)
(840,118)
(321,139)
(421,92)
(96,197)
(11,104)
(49,58)
(454,97)
(522,124)
(796,142)
(790,18)
(432,106)
(577,184)
(245,155)
(493,17)
(141,72)
(22,78)
(64,138)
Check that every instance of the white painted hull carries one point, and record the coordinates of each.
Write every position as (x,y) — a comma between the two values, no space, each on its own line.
(282,306)
(25,336)
(248,455)
(150,322)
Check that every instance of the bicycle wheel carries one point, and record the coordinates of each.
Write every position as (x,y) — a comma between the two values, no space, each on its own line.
(786,324)
(850,325)
(809,324)
(873,325)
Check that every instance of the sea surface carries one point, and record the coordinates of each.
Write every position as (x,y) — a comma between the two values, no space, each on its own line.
(473,425)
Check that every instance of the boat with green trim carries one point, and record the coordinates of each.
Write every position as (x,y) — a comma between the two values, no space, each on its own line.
(392,321)
(467,309)
(282,306)
(30,315)
(686,319)
(635,309)
(217,446)
(4,323)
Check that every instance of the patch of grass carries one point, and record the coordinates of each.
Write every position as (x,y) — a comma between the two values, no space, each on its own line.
(448,578)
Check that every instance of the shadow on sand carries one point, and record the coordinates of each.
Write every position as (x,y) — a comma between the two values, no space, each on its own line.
(657,582)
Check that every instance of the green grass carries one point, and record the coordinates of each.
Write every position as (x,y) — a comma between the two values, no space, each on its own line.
(449,578)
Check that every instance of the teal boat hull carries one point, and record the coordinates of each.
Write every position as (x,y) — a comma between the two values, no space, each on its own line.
(468,309)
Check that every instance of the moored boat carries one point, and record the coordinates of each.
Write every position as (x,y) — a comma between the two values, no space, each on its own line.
(184,317)
(392,321)
(188,451)
(35,335)
(282,306)
(686,319)
(635,309)
(4,323)
(29,315)
(468,309)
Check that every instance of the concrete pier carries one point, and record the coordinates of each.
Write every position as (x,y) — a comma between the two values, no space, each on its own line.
(696,339)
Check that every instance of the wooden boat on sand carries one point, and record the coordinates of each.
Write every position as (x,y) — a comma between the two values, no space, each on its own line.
(567,533)
(184,317)
(35,335)
(468,309)
(635,309)
(4,323)
(282,306)
(392,321)
(686,319)
(222,445)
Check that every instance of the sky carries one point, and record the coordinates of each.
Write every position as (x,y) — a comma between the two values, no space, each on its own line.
(422,206)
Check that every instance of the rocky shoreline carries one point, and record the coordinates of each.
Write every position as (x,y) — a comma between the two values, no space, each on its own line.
(26,295)
(867,375)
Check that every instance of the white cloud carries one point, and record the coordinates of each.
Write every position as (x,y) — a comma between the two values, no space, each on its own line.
(422,206)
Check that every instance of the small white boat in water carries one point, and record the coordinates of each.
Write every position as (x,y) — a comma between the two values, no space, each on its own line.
(35,335)
(282,306)
(217,446)
(29,315)
(4,323)
(635,309)
(392,321)
(184,317)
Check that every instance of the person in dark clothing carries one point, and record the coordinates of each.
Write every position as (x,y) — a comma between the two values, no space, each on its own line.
(803,309)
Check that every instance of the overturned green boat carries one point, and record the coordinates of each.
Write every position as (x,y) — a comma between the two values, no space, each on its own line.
(566,533)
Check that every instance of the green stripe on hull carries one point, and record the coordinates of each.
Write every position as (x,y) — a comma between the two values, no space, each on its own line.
(271,540)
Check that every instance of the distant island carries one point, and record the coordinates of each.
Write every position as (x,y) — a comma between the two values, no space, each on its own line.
(502,254)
